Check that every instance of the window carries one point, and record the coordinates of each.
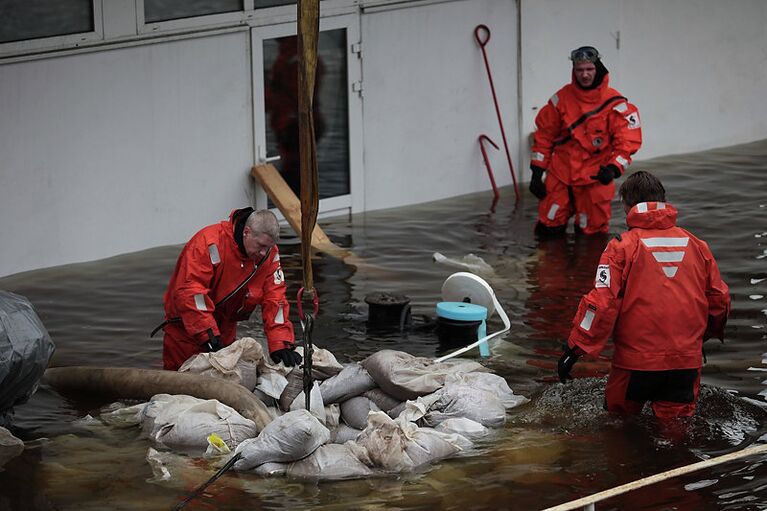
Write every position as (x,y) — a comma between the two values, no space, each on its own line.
(34,19)
(260,4)
(165,10)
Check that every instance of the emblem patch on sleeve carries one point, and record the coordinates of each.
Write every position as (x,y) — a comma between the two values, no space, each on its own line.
(279,278)
(603,276)
(633,120)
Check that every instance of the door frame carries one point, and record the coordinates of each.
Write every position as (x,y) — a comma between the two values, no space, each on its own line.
(353,202)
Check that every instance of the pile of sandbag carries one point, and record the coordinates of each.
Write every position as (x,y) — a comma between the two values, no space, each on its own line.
(391,412)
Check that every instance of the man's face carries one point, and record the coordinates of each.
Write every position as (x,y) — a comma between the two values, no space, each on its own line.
(256,245)
(585,72)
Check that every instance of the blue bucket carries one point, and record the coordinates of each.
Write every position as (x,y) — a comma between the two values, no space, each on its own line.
(461,323)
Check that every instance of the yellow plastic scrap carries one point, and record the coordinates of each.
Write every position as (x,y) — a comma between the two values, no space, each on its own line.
(218,444)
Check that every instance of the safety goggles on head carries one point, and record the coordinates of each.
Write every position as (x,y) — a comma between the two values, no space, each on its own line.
(588,53)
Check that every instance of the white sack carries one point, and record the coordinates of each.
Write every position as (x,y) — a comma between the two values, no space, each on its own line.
(317,407)
(398,445)
(343,434)
(382,400)
(352,381)
(404,376)
(490,382)
(185,421)
(10,446)
(464,427)
(354,411)
(237,362)
(331,462)
(458,400)
(290,437)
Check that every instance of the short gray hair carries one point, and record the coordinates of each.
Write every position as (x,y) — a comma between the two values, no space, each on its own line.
(264,221)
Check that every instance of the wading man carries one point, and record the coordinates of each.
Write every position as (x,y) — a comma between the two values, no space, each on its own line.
(585,136)
(222,274)
(659,294)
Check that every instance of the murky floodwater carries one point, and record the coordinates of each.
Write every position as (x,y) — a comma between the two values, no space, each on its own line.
(558,447)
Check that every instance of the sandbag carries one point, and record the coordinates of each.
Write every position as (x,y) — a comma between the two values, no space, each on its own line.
(464,427)
(290,437)
(10,446)
(398,445)
(237,363)
(352,381)
(324,364)
(354,411)
(331,462)
(343,433)
(25,350)
(404,376)
(382,400)
(490,382)
(459,400)
(185,421)
(316,406)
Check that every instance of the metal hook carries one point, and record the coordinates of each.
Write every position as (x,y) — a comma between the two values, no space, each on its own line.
(478,37)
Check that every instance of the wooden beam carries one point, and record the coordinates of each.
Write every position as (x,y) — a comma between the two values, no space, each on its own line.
(286,201)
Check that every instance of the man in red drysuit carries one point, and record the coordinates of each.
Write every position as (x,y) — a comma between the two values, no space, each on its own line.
(585,137)
(223,272)
(659,294)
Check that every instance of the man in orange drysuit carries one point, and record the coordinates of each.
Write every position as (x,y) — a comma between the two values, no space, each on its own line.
(584,139)
(223,272)
(659,294)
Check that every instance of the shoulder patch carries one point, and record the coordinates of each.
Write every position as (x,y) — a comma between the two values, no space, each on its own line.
(603,276)
(279,278)
(633,120)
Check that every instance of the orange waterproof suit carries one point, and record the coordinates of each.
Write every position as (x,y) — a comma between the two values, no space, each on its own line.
(579,131)
(659,293)
(212,266)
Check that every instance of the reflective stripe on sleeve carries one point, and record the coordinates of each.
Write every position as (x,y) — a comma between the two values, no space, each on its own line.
(552,211)
(588,319)
(554,100)
(279,318)
(537,156)
(199,301)
(623,161)
(215,257)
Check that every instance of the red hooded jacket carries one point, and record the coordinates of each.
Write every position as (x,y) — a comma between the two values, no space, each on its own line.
(580,130)
(211,266)
(657,291)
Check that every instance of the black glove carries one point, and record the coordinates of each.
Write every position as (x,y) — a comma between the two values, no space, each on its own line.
(566,363)
(287,356)
(607,174)
(213,343)
(537,187)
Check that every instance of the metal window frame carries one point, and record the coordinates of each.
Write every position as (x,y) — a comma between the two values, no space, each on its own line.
(192,23)
(60,41)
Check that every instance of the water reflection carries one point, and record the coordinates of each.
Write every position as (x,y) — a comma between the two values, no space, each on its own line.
(100,313)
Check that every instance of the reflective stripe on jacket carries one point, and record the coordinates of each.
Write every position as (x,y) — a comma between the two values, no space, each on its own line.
(210,267)
(657,291)
(601,136)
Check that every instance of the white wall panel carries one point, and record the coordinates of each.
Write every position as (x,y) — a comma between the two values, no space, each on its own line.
(116,151)
(427,99)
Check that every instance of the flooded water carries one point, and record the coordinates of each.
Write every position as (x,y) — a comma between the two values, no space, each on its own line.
(558,447)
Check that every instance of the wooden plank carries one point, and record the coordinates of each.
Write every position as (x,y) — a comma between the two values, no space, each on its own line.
(286,201)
